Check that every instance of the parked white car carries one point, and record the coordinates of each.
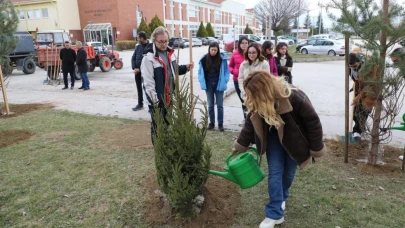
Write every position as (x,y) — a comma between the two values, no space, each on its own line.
(325,47)
(280,40)
(197,42)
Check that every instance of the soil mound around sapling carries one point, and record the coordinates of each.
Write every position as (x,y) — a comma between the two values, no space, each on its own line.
(20,109)
(222,200)
(11,137)
(359,151)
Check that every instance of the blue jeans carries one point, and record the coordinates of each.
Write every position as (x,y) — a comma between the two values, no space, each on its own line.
(238,91)
(85,80)
(282,170)
(219,97)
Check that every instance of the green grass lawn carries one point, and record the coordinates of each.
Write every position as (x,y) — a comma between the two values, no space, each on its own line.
(66,176)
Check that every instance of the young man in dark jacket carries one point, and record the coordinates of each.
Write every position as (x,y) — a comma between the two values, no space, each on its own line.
(68,57)
(158,72)
(360,113)
(81,63)
(136,66)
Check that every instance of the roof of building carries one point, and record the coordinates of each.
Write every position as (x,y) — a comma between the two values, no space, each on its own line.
(251,10)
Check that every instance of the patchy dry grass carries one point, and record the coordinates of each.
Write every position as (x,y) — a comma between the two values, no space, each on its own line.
(68,176)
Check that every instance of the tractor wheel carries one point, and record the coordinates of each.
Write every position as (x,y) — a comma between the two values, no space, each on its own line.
(105,64)
(118,64)
(29,66)
(77,73)
(91,67)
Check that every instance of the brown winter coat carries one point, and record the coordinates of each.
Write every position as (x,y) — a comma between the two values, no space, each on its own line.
(300,133)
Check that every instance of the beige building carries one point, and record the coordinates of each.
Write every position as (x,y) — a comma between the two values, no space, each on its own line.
(37,15)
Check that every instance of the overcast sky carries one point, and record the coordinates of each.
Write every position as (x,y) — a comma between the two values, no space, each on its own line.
(313,8)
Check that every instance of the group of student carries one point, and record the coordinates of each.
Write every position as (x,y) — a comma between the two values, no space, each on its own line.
(280,119)
(214,71)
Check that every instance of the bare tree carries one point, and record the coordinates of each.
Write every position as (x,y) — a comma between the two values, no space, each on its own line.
(381,86)
(282,13)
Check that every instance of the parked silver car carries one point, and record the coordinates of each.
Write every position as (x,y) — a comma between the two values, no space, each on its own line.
(325,47)
(197,42)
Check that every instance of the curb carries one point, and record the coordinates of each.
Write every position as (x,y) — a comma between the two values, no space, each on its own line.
(313,60)
(229,92)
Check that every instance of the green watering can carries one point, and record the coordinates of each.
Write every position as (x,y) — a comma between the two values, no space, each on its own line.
(244,170)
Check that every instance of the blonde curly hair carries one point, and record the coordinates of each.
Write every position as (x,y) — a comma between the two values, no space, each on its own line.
(263,91)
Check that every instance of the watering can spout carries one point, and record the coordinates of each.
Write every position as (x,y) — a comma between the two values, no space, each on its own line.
(226,175)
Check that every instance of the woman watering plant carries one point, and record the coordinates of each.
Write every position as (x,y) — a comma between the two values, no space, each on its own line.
(237,58)
(213,74)
(284,126)
(284,62)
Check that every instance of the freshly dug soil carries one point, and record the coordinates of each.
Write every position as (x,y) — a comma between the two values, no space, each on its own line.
(19,109)
(222,199)
(359,151)
(135,136)
(10,137)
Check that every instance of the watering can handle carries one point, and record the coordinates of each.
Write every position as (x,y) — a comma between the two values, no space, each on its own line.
(257,153)
(229,157)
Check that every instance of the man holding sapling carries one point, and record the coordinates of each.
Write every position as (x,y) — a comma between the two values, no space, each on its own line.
(158,69)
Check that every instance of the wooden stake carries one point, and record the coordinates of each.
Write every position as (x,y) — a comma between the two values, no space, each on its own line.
(3,89)
(346,152)
(191,75)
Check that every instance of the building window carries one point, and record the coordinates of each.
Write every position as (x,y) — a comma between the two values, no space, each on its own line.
(45,13)
(192,11)
(217,15)
(37,14)
(193,29)
(180,16)
(138,16)
(218,31)
(22,15)
(235,19)
(30,14)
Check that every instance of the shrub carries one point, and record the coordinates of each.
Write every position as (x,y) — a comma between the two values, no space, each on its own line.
(125,44)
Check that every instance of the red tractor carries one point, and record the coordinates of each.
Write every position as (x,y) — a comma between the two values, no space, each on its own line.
(104,58)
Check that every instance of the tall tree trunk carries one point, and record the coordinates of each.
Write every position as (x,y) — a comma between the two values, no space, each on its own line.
(375,132)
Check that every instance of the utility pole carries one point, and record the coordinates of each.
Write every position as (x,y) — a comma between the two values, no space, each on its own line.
(298,17)
(320,18)
(172,16)
(270,20)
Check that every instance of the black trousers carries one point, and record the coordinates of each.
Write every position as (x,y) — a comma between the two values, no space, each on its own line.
(138,81)
(360,118)
(238,91)
(153,126)
(72,73)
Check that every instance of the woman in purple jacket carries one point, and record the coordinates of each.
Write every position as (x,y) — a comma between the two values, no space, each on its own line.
(267,51)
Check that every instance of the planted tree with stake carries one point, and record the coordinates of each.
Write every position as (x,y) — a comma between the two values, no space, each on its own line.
(182,156)
(381,87)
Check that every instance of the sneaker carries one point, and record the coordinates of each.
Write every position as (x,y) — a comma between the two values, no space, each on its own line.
(221,127)
(211,126)
(270,223)
(86,88)
(65,88)
(81,87)
(283,206)
(137,107)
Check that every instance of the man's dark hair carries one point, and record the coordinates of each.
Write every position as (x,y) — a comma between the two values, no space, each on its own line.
(142,34)
(353,58)
(67,42)
(398,52)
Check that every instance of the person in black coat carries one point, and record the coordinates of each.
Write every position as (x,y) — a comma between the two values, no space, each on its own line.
(284,62)
(136,66)
(68,57)
(82,66)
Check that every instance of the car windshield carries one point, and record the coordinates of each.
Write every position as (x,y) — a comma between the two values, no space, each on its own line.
(44,37)
(186,40)
(96,44)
